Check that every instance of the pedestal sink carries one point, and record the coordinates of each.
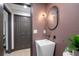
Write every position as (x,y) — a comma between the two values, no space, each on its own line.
(44,47)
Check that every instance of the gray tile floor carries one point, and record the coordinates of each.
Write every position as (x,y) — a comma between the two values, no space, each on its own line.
(23,52)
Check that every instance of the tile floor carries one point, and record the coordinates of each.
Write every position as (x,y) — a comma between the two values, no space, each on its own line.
(23,52)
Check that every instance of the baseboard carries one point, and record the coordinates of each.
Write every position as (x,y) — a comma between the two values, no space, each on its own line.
(12,50)
(7,51)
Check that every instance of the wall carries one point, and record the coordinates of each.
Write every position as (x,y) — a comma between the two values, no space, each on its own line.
(5,27)
(37,23)
(1,30)
(68,25)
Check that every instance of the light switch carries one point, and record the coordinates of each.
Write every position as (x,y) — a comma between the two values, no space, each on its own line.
(44,31)
(35,31)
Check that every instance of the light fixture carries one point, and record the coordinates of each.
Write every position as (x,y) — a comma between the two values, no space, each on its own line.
(44,14)
(25,6)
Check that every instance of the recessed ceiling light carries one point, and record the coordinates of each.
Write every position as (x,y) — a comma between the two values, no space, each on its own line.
(25,6)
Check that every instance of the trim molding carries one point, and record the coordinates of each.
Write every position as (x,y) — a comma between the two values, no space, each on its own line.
(22,4)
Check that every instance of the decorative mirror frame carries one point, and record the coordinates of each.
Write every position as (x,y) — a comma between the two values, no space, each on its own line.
(57,18)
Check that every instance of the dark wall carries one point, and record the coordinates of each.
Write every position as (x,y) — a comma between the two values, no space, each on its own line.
(68,25)
(1,30)
(22,32)
(9,32)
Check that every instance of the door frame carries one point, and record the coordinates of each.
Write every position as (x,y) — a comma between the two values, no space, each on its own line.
(31,53)
(9,28)
(31,32)
(31,29)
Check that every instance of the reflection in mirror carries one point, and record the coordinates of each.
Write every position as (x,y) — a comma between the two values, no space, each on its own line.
(52,18)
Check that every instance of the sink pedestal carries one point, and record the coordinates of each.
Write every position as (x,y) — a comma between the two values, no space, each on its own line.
(45,47)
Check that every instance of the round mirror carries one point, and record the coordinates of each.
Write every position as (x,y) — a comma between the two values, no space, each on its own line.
(52,18)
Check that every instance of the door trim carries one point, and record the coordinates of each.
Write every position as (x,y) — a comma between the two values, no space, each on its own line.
(9,28)
(31,32)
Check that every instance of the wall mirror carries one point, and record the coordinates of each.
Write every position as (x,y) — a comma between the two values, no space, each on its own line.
(52,18)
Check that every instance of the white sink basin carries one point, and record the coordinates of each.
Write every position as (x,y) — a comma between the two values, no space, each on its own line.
(44,47)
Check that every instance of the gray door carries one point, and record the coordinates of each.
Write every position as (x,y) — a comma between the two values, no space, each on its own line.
(1,30)
(22,32)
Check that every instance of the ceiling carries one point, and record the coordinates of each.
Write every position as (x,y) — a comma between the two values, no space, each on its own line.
(16,8)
